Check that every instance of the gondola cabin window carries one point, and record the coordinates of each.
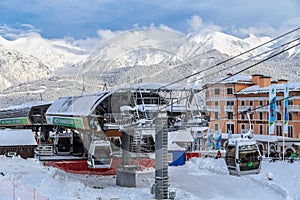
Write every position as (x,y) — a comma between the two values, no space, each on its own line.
(102,155)
(230,156)
(249,158)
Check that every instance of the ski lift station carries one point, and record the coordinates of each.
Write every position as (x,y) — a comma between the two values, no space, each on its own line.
(99,132)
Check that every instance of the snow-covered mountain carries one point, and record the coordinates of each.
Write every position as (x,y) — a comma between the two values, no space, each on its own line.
(53,53)
(156,46)
(139,47)
(16,67)
(199,43)
(143,55)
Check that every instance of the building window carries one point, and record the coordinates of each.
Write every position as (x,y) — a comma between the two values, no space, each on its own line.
(242,116)
(291,131)
(251,103)
(243,128)
(230,128)
(278,130)
(290,102)
(261,103)
(229,103)
(229,91)
(261,129)
(229,115)
(242,103)
(251,116)
(278,115)
(290,116)
(260,114)
(217,91)
(278,103)
(216,103)
(216,127)
(216,115)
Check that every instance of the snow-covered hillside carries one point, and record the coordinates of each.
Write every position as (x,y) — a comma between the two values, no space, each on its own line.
(199,178)
(199,43)
(138,47)
(156,46)
(16,67)
(141,55)
(54,53)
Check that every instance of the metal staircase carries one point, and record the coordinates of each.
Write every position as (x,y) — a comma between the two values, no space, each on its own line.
(136,142)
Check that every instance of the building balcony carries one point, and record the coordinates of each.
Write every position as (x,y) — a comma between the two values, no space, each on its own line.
(279,108)
(228,108)
(245,108)
(262,108)
(294,108)
(213,108)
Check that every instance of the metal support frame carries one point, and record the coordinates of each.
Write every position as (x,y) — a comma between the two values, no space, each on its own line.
(160,187)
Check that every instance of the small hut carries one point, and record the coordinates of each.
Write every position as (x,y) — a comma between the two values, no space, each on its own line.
(176,155)
(17,142)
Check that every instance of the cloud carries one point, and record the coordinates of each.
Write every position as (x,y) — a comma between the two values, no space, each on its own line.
(83,19)
(196,24)
(18,31)
(106,34)
(267,30)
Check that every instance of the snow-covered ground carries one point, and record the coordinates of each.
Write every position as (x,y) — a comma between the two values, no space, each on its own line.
(199,178)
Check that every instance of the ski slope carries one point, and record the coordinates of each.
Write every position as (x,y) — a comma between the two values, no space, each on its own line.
(199,178)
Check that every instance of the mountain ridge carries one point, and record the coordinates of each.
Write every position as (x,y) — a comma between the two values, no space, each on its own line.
(144,55)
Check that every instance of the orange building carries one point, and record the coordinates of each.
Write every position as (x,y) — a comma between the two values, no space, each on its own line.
(227,100)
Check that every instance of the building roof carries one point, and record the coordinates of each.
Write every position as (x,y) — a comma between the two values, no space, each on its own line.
(256,89)
(175,147)
(161,86)
(266,138)
(180,136)
(27,105)
(238,78)
(74,106)
(16,137)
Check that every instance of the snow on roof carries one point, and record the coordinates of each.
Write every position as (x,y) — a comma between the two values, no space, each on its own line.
(238,78)
(256,89)
(266,138)
(180,136)
(16,137)
(77,106)
(263,138)
(297,144)
(27,105)
(175,147)
(200,128)
(161,86)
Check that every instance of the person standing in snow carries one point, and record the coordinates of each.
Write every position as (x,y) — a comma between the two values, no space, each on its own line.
(293,157)
(218,154)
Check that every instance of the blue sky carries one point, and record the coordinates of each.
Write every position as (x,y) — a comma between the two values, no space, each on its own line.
(85,19)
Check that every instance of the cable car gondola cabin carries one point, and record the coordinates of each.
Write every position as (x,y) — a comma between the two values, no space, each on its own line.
(242,155)
(100,154)
(63,143)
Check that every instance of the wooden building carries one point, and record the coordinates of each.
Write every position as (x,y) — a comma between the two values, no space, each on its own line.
(14,142)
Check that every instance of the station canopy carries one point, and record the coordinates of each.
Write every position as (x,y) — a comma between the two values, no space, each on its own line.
(23,109)
(20,114)
(75,106)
